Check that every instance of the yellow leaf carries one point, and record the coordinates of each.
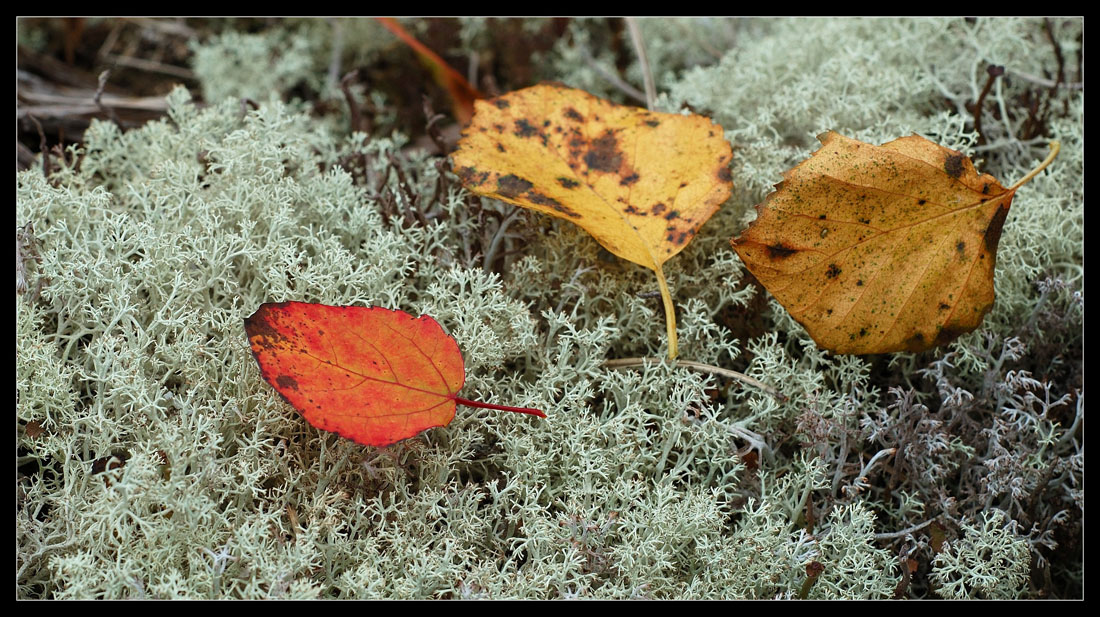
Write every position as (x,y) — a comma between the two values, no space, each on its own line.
(641,183)
(885,248)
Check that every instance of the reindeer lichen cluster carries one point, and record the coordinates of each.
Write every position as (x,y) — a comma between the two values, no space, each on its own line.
(155,463)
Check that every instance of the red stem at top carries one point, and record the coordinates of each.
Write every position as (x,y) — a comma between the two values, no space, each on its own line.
(526,410)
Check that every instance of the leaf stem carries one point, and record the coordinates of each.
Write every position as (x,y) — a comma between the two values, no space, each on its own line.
(647,74)
(699,366)
(526,410)
(1055,147)
(670,312)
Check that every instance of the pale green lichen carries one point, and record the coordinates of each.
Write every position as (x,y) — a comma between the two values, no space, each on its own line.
(650,482)
(990,560)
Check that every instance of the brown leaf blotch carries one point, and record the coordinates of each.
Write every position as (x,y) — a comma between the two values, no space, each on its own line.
(628,180)
(993,231)
(512,186)
(568,183)
(780,251)
(501,103)
(674,214)
(833,271)
(259,325)
(573,115)
(653,123)
(524,128)
(472,177)
(915,343)
(679,238)
(657,209)
(946,335)
(286,381)
(543,200)
(953,165)
(724,174)
(603,154)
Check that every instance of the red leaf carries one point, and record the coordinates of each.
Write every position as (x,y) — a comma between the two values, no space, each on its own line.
(462,93)
(371,374)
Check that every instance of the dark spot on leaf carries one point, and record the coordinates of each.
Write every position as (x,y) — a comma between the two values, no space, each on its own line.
(961,248)
(657,209)
(568,183)
(985,189)
(780,251)
(724,174)
(259,324)
(524,128)
(821,217)
(652,123)
(953,165)
(603,154)
(864,221)
(500,148)
(501,103)
(921,202)
(675,214)
(833,271)
(944,306)
(543,200)
(573,115)
(631,179)
(993,231)
(633,210)
(679,238)
(915,343)
(286,382)
(828,311)
(499,127)
(859,283)
(946,335)
(472,177)
(863,331)
(512,186)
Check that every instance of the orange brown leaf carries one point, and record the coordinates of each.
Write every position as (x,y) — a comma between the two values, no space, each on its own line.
(462,93)
(641,183)
(371,374)
(877,249)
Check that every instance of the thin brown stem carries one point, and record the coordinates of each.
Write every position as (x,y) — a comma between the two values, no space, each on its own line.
(704,368)
(994,72)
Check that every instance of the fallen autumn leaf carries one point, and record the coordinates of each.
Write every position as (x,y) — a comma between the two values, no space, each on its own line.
(642,183)
(371,374)
(875,249)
